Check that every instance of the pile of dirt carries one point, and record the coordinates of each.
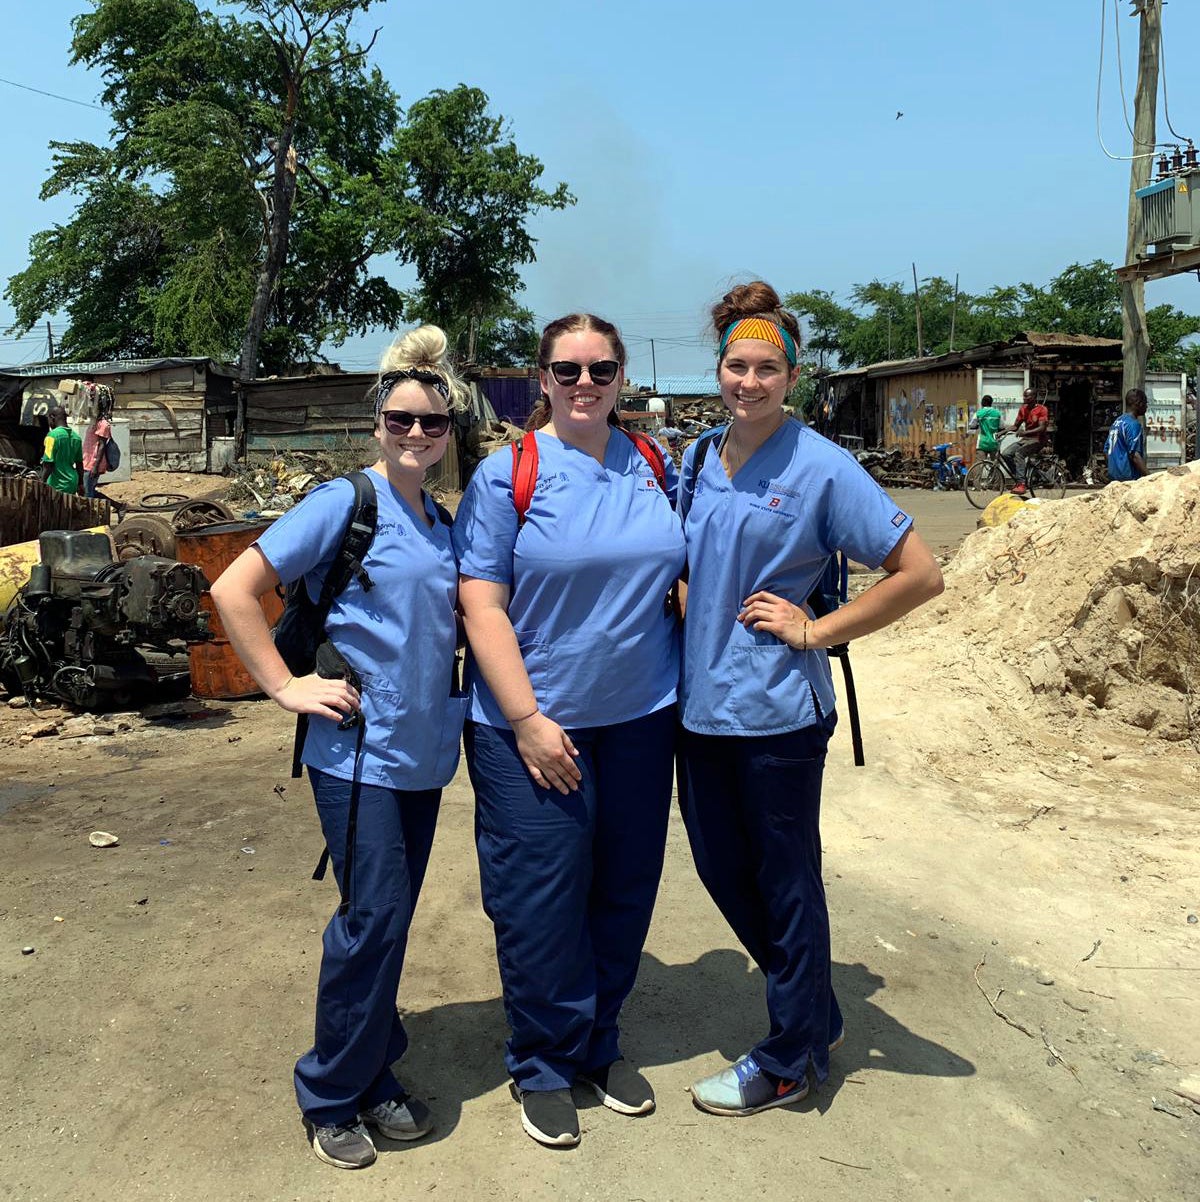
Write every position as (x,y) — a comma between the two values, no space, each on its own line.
(1087,605)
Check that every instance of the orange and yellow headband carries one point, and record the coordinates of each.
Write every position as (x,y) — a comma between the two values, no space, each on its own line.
(762,330)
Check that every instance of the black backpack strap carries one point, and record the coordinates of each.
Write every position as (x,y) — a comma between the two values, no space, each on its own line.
(356,542)
(842,652)
(687,484)
(351,831)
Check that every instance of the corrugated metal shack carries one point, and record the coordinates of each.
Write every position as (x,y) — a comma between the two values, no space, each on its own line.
(175,407)
(324,412)
(512,391)
(906,402)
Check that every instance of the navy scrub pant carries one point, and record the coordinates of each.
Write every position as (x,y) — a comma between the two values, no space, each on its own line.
(358,1032)
(752,808)
(569,884)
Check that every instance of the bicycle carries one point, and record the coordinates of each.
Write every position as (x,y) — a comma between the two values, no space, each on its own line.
(992,477)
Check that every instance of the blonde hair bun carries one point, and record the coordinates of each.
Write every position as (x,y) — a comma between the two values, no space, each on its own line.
(425,348)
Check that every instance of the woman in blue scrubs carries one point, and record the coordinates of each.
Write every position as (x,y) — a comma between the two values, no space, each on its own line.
(771,501)
(570,736)
(399,636)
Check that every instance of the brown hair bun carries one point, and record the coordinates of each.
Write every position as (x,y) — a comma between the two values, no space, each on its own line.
(756,299)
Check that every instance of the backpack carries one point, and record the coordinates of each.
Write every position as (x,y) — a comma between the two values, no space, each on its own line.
(525,467)
(112,455)
(828,593)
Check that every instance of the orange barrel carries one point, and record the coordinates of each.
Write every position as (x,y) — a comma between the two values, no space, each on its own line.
(216,670)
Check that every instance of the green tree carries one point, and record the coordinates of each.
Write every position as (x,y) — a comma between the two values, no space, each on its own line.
(880,321)
(472,192)
(257,172)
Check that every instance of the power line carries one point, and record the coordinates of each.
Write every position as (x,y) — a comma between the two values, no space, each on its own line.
(1124,158)
(12,83)
(1162,60)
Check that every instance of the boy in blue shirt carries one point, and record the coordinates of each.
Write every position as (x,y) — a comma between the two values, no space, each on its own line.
(1125,446)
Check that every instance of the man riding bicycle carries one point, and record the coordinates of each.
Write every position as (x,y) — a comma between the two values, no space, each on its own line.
(1032,426)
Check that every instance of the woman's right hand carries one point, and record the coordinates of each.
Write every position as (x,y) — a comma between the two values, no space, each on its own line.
(548,753)
(318,695)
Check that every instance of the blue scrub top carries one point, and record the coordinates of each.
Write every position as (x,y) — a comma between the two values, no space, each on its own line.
(399,637)
(588,573)
(793,503)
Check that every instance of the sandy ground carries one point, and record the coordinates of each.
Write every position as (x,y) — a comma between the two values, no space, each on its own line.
(150,1036)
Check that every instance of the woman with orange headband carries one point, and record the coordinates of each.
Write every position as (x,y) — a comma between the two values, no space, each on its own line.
(765,502)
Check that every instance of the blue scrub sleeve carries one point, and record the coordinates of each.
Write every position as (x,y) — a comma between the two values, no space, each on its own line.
(307,538)
(672,480)
(485,527)
(859,518)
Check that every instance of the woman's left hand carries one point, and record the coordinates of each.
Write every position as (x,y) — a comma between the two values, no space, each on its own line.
(774,615)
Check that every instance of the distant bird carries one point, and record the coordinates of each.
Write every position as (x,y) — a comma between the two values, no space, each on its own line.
(899,114)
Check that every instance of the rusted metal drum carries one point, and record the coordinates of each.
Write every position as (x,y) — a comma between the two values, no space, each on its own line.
(216,670)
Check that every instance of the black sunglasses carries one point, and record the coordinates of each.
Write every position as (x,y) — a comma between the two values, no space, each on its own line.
(400,421)
(603,371)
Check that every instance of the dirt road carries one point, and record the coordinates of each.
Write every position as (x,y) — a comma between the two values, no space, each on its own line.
(150,1036)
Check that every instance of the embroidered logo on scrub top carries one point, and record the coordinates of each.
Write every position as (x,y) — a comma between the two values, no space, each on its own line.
(898,520)
(391,528)
(775,502)
(773,486)
(549,480)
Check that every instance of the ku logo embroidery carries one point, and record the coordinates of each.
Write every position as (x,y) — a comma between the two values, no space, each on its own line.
(775,502)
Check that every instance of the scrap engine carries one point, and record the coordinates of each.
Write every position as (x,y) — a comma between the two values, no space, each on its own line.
(89,629)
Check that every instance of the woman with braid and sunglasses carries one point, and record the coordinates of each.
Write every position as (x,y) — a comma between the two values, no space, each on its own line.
(397,630)
(765,502)
(568,553)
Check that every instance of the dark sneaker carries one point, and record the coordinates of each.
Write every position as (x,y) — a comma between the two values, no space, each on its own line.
(548,1115)
(347,1147)
(402,1118)
(620,1087)
(744,1089)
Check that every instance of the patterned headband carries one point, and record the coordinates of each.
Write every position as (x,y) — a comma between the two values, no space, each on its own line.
(390,379)
(761,330)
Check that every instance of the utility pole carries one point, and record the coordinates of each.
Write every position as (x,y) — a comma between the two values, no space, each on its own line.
(653,366)
(1135,342)
(920,327)
(49,342)
(954,311)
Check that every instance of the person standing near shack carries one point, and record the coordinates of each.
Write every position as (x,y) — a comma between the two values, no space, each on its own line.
(763,511)
(1125,446)
(395,626)
(62,455)
(95,445)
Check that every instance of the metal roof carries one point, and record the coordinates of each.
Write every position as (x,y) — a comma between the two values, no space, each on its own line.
(114,367)
(701,385)
(1020,345)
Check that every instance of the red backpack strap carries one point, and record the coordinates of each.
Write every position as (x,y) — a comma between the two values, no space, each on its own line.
(524,474)
(652,453)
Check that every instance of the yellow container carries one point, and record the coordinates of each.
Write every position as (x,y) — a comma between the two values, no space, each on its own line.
(15,562)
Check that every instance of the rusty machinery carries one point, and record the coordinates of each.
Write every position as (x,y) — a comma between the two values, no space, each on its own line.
(150,526)
(88,628)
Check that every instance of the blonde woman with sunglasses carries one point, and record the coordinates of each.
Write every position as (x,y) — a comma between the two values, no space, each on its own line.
(377,798)
(574,664)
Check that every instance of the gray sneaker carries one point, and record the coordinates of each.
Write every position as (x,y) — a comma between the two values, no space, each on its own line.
(402,1118)
(620,1087)
(345,1147)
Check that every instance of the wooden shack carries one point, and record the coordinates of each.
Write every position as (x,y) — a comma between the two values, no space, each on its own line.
(323,412)
(174,407)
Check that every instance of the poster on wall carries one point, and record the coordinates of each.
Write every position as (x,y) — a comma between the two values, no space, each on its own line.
(928,419)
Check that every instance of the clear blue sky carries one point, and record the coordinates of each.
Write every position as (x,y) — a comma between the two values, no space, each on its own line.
(709,141)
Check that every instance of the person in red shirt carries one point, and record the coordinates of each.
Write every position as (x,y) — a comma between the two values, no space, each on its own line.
(1032,428)
(95,447)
